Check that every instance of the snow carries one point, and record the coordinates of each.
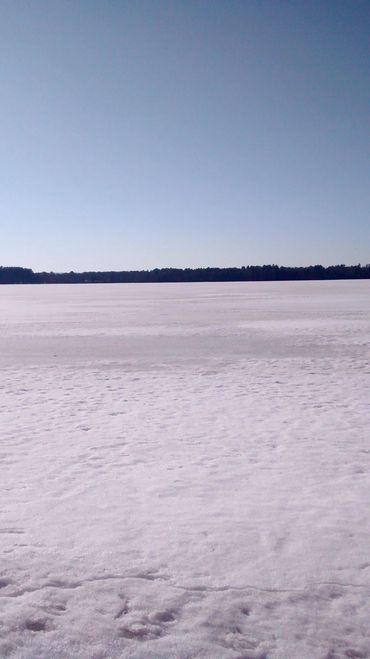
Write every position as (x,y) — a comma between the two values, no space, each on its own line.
(185,471)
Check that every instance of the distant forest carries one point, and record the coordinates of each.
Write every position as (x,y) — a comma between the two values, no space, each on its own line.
(16,275)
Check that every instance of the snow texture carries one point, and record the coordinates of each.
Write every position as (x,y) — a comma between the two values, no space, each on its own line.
(185,471)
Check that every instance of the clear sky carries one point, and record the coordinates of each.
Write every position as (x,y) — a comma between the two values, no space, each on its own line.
(150,133)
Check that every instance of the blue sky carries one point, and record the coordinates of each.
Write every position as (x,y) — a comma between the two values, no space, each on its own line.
(154,133)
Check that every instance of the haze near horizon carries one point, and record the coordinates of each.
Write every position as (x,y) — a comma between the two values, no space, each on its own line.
(142,135)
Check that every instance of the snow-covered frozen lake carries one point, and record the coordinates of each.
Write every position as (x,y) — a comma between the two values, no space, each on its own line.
(185,471)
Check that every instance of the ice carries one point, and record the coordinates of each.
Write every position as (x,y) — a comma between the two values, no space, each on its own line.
(185,471)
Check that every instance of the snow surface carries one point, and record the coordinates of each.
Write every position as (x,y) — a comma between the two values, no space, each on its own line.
(185,471)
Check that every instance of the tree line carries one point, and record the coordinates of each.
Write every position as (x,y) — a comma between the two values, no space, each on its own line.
(18,275)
